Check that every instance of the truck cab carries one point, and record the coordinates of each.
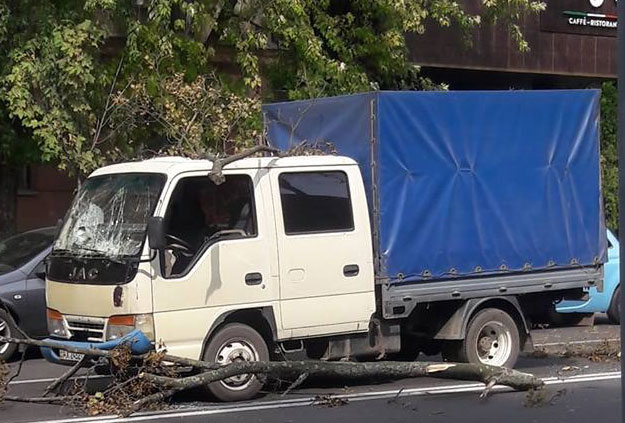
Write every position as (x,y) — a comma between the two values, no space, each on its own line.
(280,251)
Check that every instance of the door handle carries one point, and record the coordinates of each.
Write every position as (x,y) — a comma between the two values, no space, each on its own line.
(253,278)
(351,270)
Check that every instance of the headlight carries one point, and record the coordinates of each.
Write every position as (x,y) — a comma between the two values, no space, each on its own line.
(56,326)
(118,326)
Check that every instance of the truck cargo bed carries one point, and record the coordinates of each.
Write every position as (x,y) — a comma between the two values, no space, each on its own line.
(463,185)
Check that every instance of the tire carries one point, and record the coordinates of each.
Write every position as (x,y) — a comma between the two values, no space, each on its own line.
(614,311)
(7,329)
(492,337)
(236,342)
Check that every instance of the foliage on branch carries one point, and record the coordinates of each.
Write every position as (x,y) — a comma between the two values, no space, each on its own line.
(98,81)
(188,115)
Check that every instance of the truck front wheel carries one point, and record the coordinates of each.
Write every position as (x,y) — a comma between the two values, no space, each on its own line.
(236,342)
(492,337)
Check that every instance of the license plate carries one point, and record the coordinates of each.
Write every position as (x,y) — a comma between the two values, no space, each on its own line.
(70,356)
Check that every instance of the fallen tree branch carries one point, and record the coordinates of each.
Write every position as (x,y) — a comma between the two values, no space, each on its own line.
(65,376)
(166,385)
(297,383)
(19,367)
(182,361)
(37,343)
(390,370)
(216,173)
(40,400)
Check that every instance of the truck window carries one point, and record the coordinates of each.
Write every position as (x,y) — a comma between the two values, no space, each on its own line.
(315,202)
(201,213)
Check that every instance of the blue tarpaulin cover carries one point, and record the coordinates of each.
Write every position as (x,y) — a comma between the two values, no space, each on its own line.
(468,183)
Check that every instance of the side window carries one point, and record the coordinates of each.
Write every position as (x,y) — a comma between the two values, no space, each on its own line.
(201,213)
(315,202)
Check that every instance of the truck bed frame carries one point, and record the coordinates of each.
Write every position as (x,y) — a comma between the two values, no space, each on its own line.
(399,300)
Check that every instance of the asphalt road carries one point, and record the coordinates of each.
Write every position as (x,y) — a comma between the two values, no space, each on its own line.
(580,389)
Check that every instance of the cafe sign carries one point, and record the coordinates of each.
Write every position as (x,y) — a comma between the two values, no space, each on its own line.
(587,17)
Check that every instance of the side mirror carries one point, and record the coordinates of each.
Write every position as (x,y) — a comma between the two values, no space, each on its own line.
(156,233)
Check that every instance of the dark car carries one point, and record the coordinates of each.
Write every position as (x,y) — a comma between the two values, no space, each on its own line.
(22,285)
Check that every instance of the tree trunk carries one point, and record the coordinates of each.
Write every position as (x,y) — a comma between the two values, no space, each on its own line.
(8,199)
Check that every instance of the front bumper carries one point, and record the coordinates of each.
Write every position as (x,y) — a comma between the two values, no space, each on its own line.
(136,340)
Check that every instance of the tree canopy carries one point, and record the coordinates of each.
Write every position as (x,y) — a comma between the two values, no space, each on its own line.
(609,153)
(97,81)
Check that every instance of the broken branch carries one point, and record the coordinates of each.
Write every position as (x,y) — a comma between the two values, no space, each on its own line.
(40,400)
(216,173)
(390,370)
(61,380)
(162,384)
(297,383)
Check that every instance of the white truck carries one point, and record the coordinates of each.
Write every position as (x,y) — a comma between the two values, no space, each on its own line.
(287,258)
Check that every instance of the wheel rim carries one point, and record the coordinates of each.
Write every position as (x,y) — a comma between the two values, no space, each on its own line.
(6,332)
(494,344)
(234,351)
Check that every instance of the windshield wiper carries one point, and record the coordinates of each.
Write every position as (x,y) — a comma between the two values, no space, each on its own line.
(97,254)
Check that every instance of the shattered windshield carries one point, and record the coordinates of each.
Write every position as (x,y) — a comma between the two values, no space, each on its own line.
(109,215)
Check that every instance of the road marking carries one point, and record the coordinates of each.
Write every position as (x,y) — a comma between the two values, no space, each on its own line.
(301,402)
(589,341)
(52,379)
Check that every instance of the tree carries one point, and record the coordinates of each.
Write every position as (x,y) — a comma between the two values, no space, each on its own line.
(609,153)
(98,81)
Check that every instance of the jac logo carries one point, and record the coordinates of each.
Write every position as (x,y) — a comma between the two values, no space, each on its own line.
(82,274)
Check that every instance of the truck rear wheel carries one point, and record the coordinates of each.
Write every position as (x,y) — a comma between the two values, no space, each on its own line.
(492,337)
(236,342)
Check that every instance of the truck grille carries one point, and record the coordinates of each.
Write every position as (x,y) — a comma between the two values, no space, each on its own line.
(84,329)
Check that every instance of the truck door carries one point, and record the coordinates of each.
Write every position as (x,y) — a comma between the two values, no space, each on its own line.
(324,249)
(219,257)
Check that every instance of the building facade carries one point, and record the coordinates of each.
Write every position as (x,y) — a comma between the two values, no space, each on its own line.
(44,195)
(572,45)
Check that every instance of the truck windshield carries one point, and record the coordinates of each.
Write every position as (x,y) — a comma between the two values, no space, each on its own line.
(109,215)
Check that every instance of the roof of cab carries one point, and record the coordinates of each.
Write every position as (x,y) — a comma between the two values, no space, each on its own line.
(173,165)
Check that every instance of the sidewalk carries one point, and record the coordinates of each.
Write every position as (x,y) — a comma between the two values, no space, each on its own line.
(578,339)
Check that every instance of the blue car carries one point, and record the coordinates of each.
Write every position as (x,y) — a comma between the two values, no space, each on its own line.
(607,301)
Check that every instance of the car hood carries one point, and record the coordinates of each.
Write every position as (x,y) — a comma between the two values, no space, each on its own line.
(12,276)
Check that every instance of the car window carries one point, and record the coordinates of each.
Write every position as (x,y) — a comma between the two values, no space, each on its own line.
(315,202)
(20,249)
(199,211)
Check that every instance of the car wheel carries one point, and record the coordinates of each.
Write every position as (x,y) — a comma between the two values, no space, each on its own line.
(492,338)
(614,312)
(7,330)
(236,342)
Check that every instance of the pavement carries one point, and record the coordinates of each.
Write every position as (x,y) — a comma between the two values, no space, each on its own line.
(582,385)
